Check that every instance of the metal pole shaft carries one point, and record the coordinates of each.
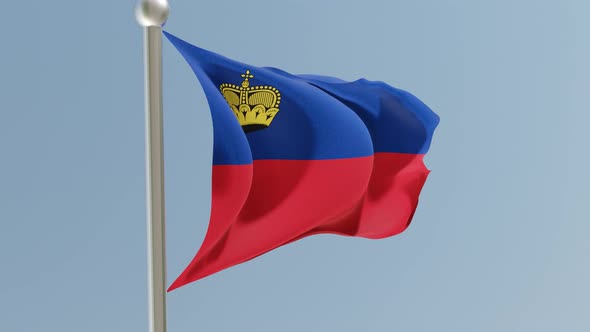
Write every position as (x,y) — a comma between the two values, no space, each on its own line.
(155,179)
(151,14)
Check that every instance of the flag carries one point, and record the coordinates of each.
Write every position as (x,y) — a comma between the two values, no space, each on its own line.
(297,155)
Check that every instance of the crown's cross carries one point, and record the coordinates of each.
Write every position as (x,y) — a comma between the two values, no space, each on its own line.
(246,76)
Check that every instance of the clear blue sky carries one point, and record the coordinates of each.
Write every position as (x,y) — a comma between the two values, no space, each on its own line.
(499,241)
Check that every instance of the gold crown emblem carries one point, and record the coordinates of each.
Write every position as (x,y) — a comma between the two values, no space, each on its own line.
(254,106)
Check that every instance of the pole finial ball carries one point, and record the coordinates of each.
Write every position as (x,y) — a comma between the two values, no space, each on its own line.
(151,12)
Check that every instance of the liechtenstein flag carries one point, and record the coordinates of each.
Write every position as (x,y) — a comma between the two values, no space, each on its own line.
(297,155)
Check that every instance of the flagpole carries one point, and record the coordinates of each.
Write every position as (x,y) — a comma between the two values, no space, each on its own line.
(151,15)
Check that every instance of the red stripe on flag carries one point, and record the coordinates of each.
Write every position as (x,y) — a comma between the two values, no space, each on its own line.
(257,208)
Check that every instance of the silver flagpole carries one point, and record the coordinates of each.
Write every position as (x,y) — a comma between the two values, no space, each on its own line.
(151,15)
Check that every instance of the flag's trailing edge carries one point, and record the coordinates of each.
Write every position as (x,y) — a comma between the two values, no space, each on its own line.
(297,155)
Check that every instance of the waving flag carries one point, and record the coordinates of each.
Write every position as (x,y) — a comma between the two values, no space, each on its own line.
(297,155)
